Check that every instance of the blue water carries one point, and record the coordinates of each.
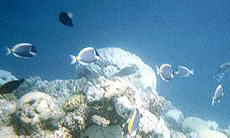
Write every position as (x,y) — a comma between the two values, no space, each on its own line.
(192,33)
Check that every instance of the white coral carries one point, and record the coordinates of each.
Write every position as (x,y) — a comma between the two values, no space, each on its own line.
(174,118)
(123,107)
(199,126)
(115,62)
(6,76)
(148,122)
(35,106)
(161,130)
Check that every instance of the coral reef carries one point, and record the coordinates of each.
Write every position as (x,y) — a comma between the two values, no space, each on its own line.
(213,125)
(76,121)
(159,105)
(174,119)
(94,131)
(60,90)
(7,109)
(73,103)
(161,130)
(35,108)
(147,123)
(177,134)
(100,120)
(7,132)
(97,104)
(61,132)
(116,62)
(201,127)
(6,76)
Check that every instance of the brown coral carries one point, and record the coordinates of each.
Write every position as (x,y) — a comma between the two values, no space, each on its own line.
(73,103)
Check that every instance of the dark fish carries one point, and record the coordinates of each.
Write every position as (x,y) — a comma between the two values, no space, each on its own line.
(10,86)
(22,50)
(66,18)
(223,69)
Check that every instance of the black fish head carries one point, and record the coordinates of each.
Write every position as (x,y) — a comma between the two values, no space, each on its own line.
(65,19)
(33,49)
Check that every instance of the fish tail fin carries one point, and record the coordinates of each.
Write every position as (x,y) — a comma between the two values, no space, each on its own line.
(73,59)
(158,70)
(192,71)
(97,57)
(8,51)
(213,101)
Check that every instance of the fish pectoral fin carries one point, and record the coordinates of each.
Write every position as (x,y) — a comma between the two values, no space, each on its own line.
(83,63)
(158,70)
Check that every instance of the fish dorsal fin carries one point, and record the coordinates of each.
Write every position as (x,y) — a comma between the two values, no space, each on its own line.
(213,101)
(84,50)
(21,44)
(97,54)
(158,70)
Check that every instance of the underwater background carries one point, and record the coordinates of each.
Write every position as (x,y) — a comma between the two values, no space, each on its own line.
(191,33)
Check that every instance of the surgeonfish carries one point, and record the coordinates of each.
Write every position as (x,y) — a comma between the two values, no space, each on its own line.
(133,124)
(66,18)
(217,95)
(183,71)
(22,50)
(223,69)
(10,86)
(85,56)
(166,72)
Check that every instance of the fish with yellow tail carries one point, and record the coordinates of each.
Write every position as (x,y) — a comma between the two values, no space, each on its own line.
(22,50)
(133,124)
(85,56)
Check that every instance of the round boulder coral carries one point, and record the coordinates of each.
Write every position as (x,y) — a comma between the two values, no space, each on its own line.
(35,108)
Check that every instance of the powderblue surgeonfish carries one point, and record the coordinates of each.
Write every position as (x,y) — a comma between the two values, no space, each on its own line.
(166,72)
(85,56)
(223,69)
(66,18)
(133,124)
(183,71)
(218,94)
(22,50)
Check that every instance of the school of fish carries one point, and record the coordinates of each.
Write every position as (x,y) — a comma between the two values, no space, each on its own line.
(90,55)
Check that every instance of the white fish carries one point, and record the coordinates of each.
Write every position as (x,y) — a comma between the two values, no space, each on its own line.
(218,94)
(166,72)
(183,71)
(85,56)
(22,50)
